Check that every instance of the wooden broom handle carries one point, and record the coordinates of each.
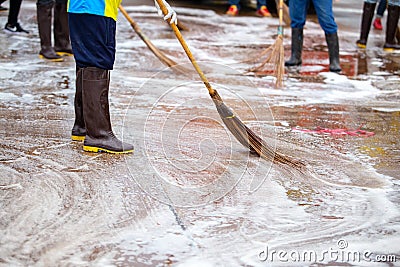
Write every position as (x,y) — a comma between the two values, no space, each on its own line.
(280,31)
(185,47)
(130,20)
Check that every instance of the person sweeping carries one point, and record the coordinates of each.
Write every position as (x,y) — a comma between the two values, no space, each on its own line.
(92,26)
(298,13)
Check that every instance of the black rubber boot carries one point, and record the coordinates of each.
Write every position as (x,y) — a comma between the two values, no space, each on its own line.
(44,25)
(391,28)
(333,47)
(368,14)
(62,44)
(99,135)
(297,47)
(78,130)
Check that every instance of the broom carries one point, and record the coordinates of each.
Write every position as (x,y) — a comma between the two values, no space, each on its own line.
(241,132)
(275,53)
(182,27)
(285,10)
(160,55)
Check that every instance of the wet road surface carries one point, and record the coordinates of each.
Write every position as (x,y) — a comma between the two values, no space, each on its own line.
(191,195)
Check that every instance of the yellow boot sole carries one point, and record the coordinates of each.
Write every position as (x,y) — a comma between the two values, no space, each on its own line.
(52,60)
(77,138)
(389,49)
(362,46)
(99,149)
(64,54)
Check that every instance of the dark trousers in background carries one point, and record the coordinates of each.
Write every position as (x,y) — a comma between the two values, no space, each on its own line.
(381,8)
(237,3)
(13,12)
(46,2)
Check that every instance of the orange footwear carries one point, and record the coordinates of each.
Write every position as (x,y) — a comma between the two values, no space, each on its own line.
(232,11)
(263,12)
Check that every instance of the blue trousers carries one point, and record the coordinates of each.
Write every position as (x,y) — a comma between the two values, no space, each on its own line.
(381,8)
(92,40)
(259,3)
(323,8)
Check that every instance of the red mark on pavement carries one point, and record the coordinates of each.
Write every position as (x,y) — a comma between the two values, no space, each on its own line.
(351,132)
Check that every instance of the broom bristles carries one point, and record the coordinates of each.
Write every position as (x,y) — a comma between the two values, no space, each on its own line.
(275,56)
(250,139)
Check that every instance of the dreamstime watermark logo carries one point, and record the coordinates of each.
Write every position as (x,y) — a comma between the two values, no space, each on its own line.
(184,154)
(339,254)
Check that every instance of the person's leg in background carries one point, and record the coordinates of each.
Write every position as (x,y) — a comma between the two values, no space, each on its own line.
(262,9)
(324,11)
(62,44)
(392,25)
(44,10)
(234,6)
(368,13)
(379,14)
(298,14)
(12,24)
